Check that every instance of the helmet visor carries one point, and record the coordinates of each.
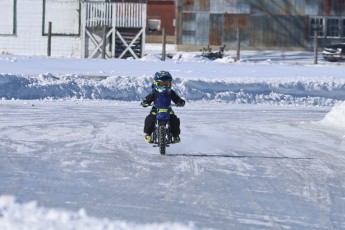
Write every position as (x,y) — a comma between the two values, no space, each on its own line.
(164,84)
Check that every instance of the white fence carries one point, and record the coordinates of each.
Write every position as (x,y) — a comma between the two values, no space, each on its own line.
(107,29)
(114,14)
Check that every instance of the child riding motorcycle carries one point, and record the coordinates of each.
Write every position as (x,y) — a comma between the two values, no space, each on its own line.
(161,96)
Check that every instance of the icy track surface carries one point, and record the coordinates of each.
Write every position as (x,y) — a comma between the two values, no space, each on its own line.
(263,144)
(243,167)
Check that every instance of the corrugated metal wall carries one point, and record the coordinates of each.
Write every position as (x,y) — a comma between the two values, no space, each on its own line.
(263,23)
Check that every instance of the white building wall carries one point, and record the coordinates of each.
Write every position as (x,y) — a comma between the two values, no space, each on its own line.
(6,22)
(28,39)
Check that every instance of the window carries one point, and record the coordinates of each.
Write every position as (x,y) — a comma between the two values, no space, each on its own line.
(318,24)
(64,15)
(330,27)
(154,24)
(333,28)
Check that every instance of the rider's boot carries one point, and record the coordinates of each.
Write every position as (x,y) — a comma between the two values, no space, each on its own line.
(147,138)
(177,139)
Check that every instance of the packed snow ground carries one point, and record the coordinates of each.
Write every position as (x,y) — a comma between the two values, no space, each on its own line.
(262,144)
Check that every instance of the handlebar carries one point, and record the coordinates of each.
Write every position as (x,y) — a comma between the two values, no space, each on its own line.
(148,105)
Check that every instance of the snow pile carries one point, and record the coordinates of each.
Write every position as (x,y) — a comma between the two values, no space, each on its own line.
(250,91)
(265,78)
(336,117)
(71,86)
(29,216)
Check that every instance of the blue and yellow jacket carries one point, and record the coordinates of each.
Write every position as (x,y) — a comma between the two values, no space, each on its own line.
(162,100)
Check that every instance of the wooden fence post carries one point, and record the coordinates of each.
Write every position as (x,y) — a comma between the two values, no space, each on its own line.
(49,48)
(315,46)
(238,56)
(104,42)
(164,44)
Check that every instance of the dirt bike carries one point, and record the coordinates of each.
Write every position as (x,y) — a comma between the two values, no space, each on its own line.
(161,135)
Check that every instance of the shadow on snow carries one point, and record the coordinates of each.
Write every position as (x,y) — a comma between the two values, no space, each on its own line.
(236,156)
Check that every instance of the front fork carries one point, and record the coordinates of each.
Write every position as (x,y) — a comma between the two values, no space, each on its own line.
(168,135)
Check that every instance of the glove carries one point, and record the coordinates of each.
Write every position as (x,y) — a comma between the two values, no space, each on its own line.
(144,104)
(181,103)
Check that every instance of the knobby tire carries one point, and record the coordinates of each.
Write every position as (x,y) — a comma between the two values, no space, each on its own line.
(162,139)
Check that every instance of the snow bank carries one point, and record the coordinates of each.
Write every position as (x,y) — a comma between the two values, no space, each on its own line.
(315,92)
(336,117)
(259,78)
(29,216)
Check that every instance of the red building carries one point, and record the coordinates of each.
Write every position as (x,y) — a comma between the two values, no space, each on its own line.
(160,14)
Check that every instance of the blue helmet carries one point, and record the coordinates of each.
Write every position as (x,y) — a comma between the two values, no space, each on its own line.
(162,81)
